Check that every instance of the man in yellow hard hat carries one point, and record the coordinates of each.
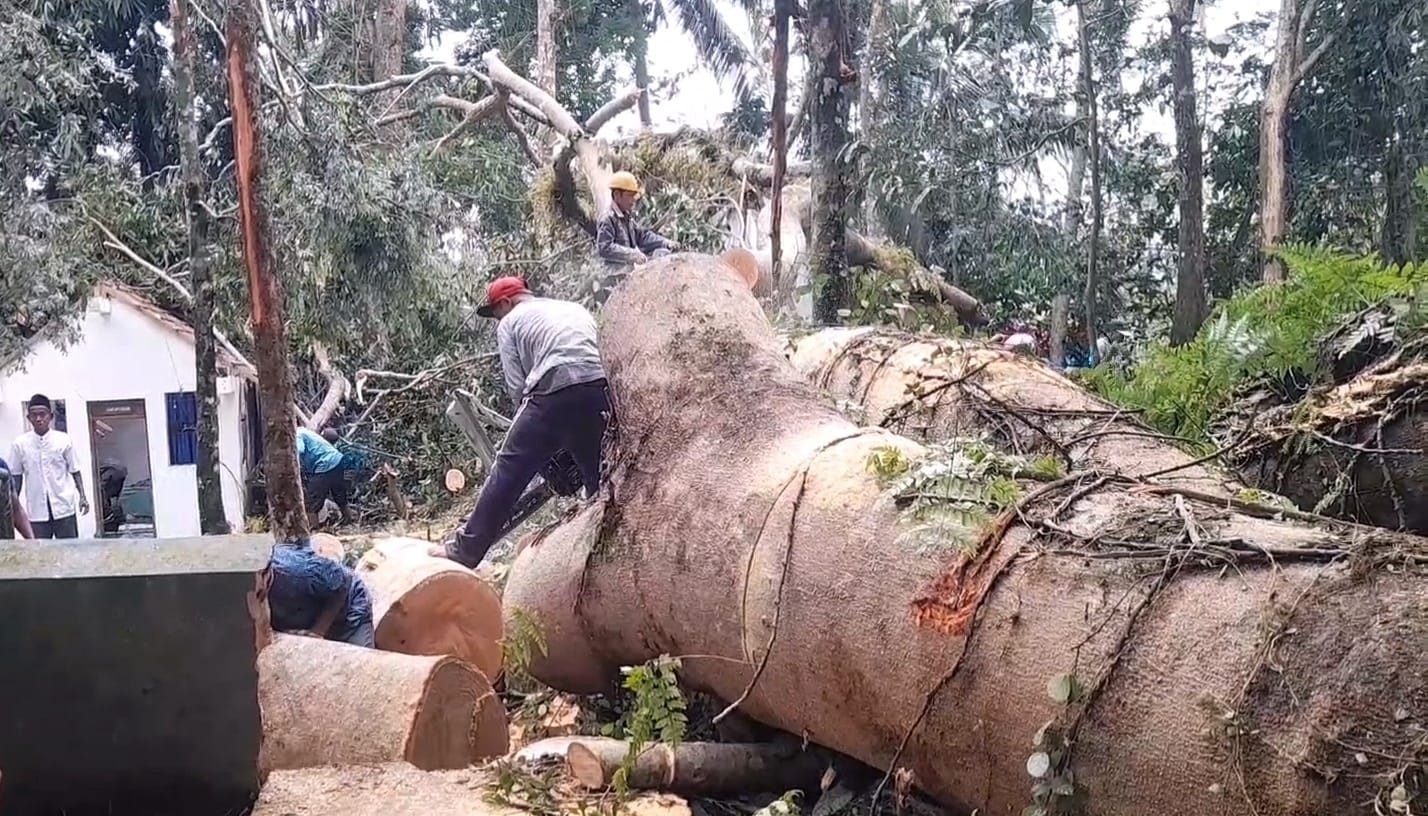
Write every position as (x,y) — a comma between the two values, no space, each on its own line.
(622,241)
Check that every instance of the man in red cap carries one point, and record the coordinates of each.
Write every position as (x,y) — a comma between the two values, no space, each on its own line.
(551,365)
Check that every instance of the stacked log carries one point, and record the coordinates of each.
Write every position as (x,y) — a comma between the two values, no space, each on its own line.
(425,605)
(1138,643)
(328,703)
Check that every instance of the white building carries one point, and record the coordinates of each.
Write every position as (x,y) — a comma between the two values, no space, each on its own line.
(124,392)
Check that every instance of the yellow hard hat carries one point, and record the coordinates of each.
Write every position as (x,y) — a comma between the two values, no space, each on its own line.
(625,180)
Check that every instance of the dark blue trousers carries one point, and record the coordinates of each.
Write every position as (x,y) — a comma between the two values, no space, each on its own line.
(572,419)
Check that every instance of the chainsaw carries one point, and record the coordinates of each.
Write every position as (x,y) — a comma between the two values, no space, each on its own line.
(559,477)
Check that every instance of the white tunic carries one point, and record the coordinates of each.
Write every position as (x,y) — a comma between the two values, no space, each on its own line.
(48,464)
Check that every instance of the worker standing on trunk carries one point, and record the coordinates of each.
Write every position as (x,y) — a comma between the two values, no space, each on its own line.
(551,366)
(622,241)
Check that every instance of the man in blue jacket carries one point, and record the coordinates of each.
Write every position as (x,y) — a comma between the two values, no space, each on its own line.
(313,595)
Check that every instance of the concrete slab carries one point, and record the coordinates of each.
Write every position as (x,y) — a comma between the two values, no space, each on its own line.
(128,672)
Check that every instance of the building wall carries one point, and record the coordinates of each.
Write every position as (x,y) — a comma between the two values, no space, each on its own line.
(125,355)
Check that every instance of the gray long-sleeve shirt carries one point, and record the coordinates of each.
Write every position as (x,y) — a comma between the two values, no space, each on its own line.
(621,240)
(547,345)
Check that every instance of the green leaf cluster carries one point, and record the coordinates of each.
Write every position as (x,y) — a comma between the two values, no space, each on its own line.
(953,491)
(1272,330)
(657,713)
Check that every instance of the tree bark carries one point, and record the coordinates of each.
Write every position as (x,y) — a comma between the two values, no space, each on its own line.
(1190,282)
(389,49)
(844,626)
(1291,64)
(327,703)
(431,606)
(827,258)
(1060,317)
(547,68)
(211,518)
(875,52)
(640,56)
(265,291)
(1093,151)
(783,10)
(711,769)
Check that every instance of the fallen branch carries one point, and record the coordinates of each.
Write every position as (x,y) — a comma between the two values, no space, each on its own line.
(476,112)
(337,389)
(695,768)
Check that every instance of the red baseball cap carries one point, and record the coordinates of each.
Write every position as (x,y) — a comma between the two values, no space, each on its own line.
(499,290)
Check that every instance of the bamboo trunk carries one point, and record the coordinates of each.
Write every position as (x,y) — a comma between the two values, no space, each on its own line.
(423,605)
(711,769)
(1145,645)
(327,703)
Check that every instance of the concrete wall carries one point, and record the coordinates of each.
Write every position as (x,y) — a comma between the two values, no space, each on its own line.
(123,354)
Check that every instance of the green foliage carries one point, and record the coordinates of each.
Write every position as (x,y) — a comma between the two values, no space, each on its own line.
(656,714)
(1268,331)
(888,464)
(954,491)
(524,641)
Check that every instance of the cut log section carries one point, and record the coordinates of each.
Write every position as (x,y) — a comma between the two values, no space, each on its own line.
(1141,644)
(328,703)
(713,769)
(328,546)
(426,605)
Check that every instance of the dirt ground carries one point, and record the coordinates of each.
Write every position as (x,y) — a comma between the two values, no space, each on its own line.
(381,790)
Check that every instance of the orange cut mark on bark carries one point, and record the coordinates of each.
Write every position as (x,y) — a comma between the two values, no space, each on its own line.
(950,605)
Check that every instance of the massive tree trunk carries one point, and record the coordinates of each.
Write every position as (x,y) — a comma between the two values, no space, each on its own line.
(827,259)
(1093,152)
(1198,652)
(211,518)
(1292,62)
(1190,282)
(265,291)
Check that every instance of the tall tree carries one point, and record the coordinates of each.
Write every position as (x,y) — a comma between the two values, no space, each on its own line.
(1093,151)
(389,46)
(265,291)
(783,11)
(876,51)
(827,38)
(640,58)
(1190,160)
(547,29)
(211,518)
(1292,62)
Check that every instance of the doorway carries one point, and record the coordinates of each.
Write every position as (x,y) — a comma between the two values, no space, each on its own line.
(124,486)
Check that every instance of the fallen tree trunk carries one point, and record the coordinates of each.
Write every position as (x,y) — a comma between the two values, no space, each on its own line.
(711,769)
(422,605)
(1139,645)
(1354,445)
(937,390)
(327,703)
